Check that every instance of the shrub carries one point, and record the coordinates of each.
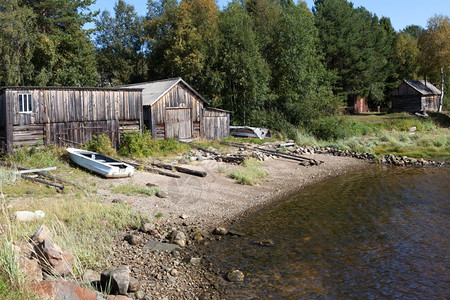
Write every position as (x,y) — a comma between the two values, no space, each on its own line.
(137,144)
(102,144)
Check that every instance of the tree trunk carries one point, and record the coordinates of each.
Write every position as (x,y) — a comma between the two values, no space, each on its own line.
(442,90)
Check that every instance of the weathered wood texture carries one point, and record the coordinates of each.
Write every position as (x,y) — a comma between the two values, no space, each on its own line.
(405,98)
(216,123)
(179,96)
(61,115)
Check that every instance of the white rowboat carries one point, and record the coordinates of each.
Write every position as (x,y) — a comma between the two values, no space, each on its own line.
(100,164)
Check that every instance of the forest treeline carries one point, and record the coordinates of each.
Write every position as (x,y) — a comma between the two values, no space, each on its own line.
(274,63)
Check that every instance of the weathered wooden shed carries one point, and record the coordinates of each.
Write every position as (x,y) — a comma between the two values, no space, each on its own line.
(416,95)
(358,105)
(66,114)
(172,108)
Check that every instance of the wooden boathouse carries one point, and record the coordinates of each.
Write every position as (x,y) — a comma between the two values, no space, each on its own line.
(173,109)
(66,114)
(415,96)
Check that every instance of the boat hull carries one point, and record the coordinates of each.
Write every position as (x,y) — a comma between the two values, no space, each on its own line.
(100,164)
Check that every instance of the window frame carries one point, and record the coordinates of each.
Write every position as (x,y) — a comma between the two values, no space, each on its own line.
(25,103)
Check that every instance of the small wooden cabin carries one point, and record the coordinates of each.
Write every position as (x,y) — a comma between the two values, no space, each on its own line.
(172,108)
(66,114)
(416,95)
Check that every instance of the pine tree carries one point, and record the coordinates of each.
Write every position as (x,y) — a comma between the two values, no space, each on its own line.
(64,55)
(17,37)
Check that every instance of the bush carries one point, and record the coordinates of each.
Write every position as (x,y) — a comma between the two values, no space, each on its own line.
(137,144)
(101,144)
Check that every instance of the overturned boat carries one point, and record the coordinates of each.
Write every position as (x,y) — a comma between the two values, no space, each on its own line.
(100,164)
(247,131)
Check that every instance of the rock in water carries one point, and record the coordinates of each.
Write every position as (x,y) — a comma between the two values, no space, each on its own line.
(117,280)
(235,276)
(220,231)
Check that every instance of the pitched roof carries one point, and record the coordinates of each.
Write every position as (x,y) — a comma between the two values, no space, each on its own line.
(423,87)
(153,91)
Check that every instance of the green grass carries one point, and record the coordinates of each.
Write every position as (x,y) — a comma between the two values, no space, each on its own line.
(130,190)
(138,145)
(250,174)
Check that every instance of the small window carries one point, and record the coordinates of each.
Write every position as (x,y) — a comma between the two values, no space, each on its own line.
(25,103)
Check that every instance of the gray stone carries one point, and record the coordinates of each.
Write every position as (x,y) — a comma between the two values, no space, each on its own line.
(412,129)
(178,237)
(162,194)
(160,247)
(90,276)
(134,285)
(235,276)
(147,227)
(174,272)
(235,232)
(183,161)
(195,261)
(43,233)
(117,280)
(139,295)
(220,231)
(133,239)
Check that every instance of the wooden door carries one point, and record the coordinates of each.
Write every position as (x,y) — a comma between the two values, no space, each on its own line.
(178,123)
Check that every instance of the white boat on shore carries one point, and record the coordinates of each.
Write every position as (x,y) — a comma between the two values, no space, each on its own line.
(100,164)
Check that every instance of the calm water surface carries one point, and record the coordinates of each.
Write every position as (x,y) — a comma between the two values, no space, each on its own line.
(379,233)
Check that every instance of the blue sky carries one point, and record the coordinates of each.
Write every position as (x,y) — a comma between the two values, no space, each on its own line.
(401,12)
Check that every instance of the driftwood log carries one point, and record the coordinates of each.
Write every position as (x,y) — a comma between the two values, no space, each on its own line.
(42,174)
(153,170)
(180,169)
(56,185)
(290,156)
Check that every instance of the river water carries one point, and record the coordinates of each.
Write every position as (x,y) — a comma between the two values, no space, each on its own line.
(379,233)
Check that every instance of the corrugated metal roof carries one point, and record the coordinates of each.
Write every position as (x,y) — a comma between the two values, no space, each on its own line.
(425,88)
(153,91)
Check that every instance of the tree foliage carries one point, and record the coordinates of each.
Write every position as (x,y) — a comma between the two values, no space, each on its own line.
(120,46)
(434,44)
(358,48)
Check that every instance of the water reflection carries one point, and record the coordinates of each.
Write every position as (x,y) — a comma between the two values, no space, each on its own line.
(374,234)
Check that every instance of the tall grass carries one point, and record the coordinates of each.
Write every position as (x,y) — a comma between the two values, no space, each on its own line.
(131,189)
(251,174)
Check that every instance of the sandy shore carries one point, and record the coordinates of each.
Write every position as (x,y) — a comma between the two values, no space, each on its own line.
(218,200)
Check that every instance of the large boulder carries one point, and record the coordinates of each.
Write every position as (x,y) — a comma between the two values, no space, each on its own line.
(62,290)
(116,281)
(54,259)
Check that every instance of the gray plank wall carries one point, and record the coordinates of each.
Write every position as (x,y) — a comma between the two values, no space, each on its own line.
(216,124)
(2,122)
(71,114)
(179,96)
